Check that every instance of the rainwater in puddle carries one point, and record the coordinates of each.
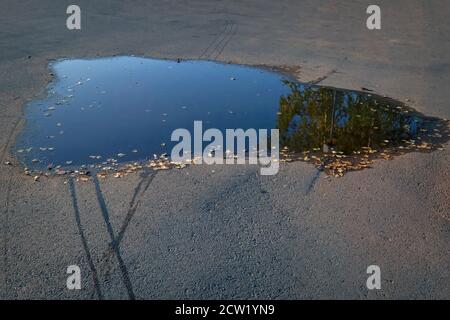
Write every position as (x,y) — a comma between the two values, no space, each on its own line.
(108,111)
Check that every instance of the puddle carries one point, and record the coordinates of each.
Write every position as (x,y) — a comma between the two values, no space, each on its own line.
(101,113)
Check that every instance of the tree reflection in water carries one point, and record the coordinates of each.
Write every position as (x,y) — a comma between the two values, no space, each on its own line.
(342,128)
(311,117)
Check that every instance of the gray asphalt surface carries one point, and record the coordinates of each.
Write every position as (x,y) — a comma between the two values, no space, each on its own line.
(232,233)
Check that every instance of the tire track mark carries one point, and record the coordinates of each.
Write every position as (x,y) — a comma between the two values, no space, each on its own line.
(5,234)
(7,200)
(8,140)
(232,33)
(218,44)
(225,36)
(204,53)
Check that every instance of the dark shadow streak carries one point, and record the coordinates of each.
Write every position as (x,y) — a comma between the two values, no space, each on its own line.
(116,249)
(313,181)
(134,204)
(83,238)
